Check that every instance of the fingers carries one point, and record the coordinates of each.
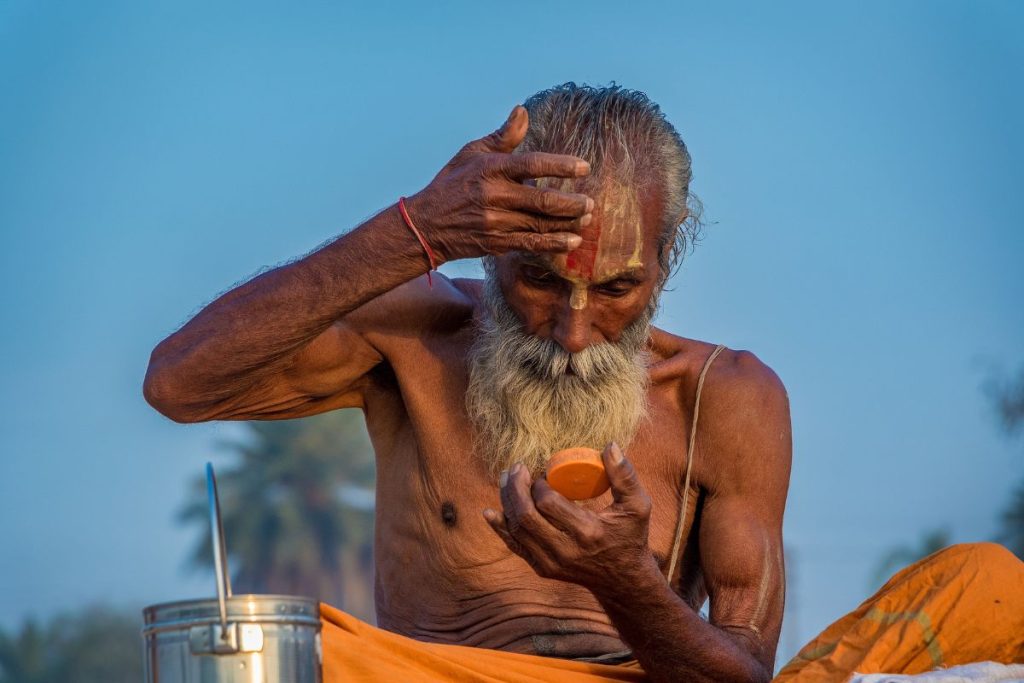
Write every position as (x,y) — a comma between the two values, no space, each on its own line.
(497,522)
(562,513)
(543,201)
(627,491)
(522,519)
(511,222)
(517,231)
(542,165)
(506,138)
(543,243)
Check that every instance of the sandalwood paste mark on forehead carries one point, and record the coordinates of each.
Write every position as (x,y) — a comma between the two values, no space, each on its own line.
(614,239)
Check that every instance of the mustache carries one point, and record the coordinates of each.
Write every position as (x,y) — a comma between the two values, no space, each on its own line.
(545,359)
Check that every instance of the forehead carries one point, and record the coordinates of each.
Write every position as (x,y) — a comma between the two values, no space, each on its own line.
(622,236)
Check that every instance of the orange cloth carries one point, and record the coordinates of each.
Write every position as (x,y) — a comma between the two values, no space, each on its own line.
(355,651)
(963,604)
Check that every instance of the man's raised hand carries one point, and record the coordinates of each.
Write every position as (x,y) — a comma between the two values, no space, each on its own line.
(478,204)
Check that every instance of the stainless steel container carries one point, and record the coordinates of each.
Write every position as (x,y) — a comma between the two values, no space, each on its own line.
(232,638)
(268,639)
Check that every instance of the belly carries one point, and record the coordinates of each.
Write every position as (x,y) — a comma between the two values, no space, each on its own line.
(503,606)
(444,576)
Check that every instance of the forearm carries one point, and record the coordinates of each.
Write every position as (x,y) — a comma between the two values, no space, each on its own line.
(477,204)
(252,330)
(669,639)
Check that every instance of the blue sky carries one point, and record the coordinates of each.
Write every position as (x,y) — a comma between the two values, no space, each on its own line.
(860,165)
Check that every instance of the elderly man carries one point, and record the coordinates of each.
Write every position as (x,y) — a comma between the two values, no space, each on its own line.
(579,206)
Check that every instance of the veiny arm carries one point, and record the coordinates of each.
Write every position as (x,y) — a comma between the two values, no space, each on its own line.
(744,438)
(745,451)
(749,437)
(292,342)
(278,346)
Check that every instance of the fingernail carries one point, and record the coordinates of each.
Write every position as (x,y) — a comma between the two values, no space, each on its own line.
(590,204)
(515,468)
(503,479)
(582,168)
(573,241)
(587,217)
(616,453)
(488,514)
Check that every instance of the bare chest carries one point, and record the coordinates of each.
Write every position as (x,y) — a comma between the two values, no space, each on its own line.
(442,574)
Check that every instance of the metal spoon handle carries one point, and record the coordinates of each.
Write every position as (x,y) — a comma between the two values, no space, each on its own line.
(220,553)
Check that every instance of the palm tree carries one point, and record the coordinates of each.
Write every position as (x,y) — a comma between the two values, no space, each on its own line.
(297,505)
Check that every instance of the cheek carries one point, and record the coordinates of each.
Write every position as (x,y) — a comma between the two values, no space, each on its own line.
(615,315)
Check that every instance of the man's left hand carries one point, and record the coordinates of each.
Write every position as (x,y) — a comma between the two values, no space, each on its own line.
(561,540)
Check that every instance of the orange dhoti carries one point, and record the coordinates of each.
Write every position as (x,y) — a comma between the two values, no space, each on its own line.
(357,651)
(963,604)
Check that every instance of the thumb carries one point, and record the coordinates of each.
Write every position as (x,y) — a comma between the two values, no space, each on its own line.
(626,488)
(506,138)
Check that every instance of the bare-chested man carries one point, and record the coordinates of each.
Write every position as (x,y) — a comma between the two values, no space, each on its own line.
(579,205)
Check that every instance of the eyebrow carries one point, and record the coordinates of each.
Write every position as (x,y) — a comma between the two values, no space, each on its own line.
(635,272)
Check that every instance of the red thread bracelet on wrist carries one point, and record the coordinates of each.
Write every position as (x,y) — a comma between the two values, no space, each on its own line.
(419,236)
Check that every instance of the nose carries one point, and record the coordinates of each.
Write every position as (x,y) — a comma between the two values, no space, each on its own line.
(572,329)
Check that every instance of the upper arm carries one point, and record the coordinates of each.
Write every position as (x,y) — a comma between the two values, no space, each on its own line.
(328,373)
(333,369)
(745,442)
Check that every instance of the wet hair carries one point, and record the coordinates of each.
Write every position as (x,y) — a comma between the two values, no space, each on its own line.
(622,132)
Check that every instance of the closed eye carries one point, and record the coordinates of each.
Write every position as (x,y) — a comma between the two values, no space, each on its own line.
(538,276)
(617,287)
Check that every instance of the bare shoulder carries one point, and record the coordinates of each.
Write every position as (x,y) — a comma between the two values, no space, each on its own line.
(745,430)
(416,308)
(744,424)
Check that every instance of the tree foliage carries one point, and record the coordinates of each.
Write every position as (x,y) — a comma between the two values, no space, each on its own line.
(94,645)
(1008,398)
(297,506)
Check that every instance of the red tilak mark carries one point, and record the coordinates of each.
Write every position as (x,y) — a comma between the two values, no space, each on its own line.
(580,260)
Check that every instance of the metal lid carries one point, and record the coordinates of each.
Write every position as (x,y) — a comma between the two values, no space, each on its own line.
(263,609)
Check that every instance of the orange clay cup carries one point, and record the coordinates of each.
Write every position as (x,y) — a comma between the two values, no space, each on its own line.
(577,473)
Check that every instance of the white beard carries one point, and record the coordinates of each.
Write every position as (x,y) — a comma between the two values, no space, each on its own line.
(523,405)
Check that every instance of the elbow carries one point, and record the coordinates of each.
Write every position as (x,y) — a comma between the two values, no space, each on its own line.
(162,392)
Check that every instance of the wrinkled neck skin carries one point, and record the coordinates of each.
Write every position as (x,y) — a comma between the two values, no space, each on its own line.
(612,243)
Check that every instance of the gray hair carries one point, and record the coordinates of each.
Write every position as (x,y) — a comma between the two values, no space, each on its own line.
(622,131)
